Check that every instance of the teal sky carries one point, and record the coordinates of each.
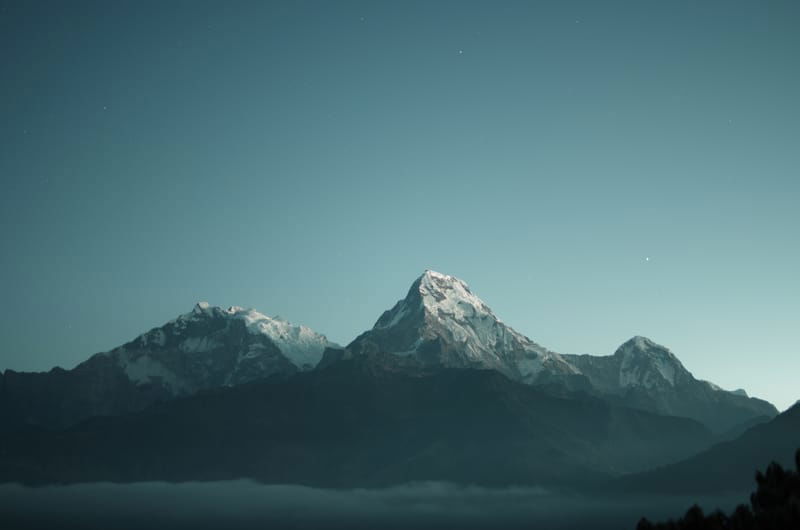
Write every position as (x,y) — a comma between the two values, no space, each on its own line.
(311,159)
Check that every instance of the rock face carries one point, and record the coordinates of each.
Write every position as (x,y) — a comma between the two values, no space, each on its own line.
(206,348)
(646,375)
(441,322)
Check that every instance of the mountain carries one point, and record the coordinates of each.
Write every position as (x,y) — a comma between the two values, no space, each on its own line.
(727,466)
(372,420)
(206,348)
(648,376)
(441,322)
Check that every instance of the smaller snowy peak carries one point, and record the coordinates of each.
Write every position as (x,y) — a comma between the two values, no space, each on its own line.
(200,311)
(301,345)
(642,346)
(641,343)
(645,362)
(201,308)
(738,392)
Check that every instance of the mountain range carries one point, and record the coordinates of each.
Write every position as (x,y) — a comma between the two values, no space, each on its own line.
(373,420)
(439,388)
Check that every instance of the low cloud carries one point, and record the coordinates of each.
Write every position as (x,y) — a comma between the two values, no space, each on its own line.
(246,504)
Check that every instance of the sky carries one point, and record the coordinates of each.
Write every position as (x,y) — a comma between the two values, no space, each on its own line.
(594,170)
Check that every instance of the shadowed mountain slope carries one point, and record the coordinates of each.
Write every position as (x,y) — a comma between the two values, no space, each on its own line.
(727,466)
(373,420)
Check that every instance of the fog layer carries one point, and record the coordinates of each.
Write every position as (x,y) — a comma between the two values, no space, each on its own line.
(245,504)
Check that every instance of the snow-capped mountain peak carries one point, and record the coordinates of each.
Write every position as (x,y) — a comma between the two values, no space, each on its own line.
(200,308)
(647,375)
(443,322)
(211,346)
(446,294)
(300,344)
(435,295)
(646,363)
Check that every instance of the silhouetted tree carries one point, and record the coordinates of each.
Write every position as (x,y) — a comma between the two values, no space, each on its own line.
(742,518)
(775,505)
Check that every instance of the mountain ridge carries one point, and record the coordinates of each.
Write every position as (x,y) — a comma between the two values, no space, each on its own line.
(726,466)
(647,375)
(371,420)
(439,324)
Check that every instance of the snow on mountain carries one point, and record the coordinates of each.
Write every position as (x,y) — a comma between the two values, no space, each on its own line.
(211,346)
(206,348)
(646,375)
(441,321)
(645,363)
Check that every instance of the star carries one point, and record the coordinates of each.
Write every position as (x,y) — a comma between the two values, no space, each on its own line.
(647,259)
(460,52)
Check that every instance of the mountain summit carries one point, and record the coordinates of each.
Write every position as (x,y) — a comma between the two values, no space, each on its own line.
(442,322)
(637,363)
(208,347)
(647,375)
(211,346)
